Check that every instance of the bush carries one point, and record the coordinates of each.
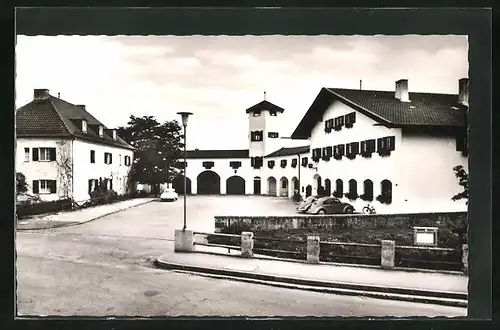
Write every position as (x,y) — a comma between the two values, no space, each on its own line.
(27,209)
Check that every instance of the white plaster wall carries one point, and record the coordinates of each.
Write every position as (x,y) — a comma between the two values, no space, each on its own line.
(420,167)
(85,170)
(376,168)
(428,179)
(256,148)
(273,124)
(38,170)
(222,168)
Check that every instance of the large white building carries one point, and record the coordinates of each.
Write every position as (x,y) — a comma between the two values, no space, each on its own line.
(65,152)
(395,150)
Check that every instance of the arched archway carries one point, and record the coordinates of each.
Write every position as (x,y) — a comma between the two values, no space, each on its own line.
(284,187)
(208,183)
(328,187)
(235,185)
(319,189)
(256,185)
(308,190)
(178,185)
(271,186)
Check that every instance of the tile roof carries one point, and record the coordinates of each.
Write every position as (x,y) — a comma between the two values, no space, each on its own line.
(264,105)
(203,154)
(289,151)
(54,117)
(424,110)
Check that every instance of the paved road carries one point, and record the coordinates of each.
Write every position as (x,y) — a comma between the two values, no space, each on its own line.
(157,219)
(79,271)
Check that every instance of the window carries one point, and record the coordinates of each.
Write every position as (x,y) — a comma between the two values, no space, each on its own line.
(26,154)
(338,122)
(338,151)
(385,145)
(272,135)
(127,160)
(270,163)
(328,187)
(367,147)
(304,161)
(283,163)
(44,154)
(367,190)
(386,192)
(272,113)
(108,158)
(352,149)
(256,136)
(283,184)
(92,156)
(316,154)
(235,165)
(350,119)
(256,162)
(339,188)
(101,131)
(208,165)
(328,125)
(44,186)
(353,189)
(84,126)
(294,163)
(256,114)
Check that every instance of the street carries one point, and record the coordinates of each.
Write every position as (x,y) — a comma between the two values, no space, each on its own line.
(105,268)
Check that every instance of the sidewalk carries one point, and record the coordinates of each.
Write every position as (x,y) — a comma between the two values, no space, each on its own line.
(389,284)
(69,218)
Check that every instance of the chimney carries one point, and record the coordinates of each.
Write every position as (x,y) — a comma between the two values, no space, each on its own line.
(81,106)
(41,94)
(463,92)
(402,90)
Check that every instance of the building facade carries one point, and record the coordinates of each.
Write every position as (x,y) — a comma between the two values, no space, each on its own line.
(65,152)
(394,150)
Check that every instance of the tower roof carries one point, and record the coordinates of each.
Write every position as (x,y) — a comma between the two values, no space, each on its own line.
(264,105)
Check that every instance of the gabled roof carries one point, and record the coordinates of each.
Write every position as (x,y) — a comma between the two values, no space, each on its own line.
(54,117)
(423,110)
(264,105)
(289,151)
(207,154)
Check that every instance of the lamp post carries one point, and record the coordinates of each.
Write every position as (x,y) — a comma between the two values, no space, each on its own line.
(184,116)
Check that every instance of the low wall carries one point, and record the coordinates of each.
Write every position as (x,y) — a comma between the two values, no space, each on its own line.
(445,220)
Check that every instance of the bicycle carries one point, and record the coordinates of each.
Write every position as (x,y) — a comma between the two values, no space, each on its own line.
(368,209)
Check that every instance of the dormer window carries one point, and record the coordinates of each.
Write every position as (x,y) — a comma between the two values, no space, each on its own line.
(101,131)
(84,126)
(256,113)
(115,136)
(272,113)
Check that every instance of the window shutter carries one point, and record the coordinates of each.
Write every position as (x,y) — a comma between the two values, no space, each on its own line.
(110,184)
(392,142)
(90,185)
(356,147)
(111,158)
(52,152)
(379,145)
(353,118)
(35,154)
(341,150)
(363,147)
(252,161)
(35,184)
(53,187)
(341,120)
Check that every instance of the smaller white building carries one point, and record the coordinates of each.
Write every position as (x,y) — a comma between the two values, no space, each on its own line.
(65,152)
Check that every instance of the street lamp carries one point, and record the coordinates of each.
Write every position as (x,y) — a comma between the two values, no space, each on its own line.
(184,116)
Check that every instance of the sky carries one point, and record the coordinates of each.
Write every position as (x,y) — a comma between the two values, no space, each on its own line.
(218,77)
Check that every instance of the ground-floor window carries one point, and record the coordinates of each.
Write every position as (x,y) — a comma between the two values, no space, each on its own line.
(339,188)
(386,192)
(367,190)
(353,189)
(44,186)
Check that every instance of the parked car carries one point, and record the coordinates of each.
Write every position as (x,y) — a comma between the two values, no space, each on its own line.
(169,195)
(306,204)
(330,205)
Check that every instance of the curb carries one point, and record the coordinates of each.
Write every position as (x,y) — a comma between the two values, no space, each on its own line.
(454,299)
(76,223)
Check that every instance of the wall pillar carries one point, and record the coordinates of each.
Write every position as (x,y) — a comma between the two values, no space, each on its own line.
(183,240)
(387,254)
(313,249)
(465,259)
(247,244)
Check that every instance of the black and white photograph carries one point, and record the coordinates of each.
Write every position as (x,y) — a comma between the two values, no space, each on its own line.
(255,175)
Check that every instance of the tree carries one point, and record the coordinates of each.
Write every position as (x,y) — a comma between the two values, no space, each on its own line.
(21,185)
(64,168)
(158,148)
(463,181)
